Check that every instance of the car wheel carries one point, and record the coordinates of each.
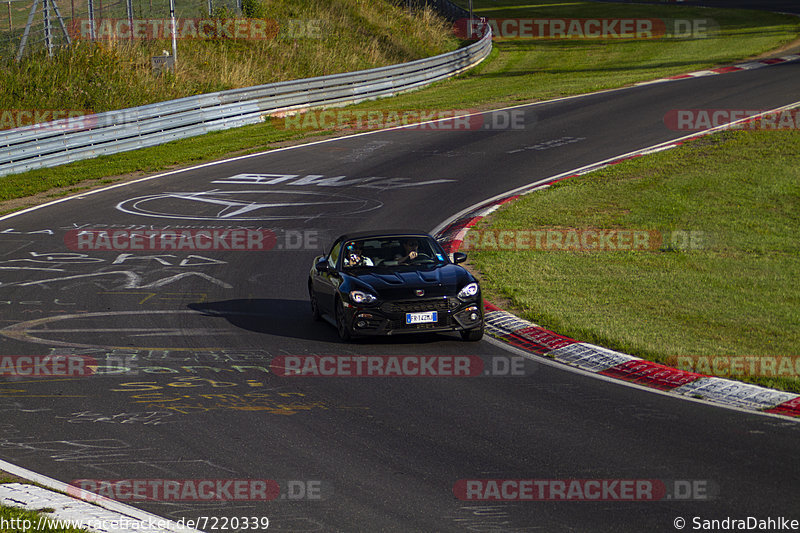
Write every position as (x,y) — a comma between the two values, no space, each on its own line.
(472,335)
(315,314)
(341,323)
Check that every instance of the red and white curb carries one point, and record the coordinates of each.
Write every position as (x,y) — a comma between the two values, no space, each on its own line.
(537,340)
(750,65)
(599,360)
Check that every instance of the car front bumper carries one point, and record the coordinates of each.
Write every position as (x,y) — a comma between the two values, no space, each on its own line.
(389,318)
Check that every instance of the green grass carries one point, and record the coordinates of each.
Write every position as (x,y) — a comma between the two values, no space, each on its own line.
(516,71)
(347,35)
(108,169)
(526,70)
(20,517)
(737,295)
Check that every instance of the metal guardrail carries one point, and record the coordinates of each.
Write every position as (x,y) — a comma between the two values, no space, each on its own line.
(68,140)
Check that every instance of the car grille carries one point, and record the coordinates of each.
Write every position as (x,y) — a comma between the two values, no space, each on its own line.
(440,305)
(415,306)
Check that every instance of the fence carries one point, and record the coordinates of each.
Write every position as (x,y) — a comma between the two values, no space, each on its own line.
(67,140)
(32,25)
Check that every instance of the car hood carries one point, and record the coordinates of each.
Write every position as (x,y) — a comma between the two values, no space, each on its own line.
(401,281)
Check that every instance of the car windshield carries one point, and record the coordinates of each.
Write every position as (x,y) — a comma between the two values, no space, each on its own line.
(392,252)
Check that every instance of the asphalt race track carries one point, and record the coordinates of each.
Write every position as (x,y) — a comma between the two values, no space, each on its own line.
(197,331)
(779,6)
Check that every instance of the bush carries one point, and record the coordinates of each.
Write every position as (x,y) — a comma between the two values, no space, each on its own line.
(253,9)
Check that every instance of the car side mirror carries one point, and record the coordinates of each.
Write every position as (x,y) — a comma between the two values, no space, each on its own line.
(459,257)
(322,265)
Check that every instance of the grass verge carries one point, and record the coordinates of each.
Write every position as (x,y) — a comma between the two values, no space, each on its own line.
(528,69)
(734,293)
(17,520)
(113,74)
(517,71)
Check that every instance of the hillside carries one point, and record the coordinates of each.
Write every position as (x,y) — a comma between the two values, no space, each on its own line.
(303,38)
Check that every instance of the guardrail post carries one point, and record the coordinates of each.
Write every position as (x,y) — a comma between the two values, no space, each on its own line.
(173,31)
(129,8)
(91,20)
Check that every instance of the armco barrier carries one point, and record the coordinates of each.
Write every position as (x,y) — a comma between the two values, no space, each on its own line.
(67,140)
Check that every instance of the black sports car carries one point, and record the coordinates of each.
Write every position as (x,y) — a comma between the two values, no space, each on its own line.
(391,282)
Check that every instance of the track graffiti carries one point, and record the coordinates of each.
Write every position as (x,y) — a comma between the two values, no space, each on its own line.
(320,180)
(216,395)
(41,330)
(108,276)
(147,418)
(247,205)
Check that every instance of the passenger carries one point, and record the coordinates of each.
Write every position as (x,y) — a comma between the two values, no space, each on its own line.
(355,255)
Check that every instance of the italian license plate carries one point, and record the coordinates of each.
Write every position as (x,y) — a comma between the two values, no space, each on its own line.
(421,318)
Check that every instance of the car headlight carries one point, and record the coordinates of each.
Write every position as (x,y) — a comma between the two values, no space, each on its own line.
(361,297)
(469,290)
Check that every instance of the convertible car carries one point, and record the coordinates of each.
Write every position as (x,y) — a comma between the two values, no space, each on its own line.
(392,282)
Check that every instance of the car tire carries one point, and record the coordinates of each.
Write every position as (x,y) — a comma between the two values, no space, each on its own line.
(472,335)
(341,324)
(315,314)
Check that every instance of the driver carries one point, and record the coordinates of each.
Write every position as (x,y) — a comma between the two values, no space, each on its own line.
(355,255)
(410,247)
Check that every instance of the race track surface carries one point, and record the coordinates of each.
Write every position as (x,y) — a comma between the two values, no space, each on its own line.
(779,6)
(197,331)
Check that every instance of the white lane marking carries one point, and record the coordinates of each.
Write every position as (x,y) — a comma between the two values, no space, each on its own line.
(283,149)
